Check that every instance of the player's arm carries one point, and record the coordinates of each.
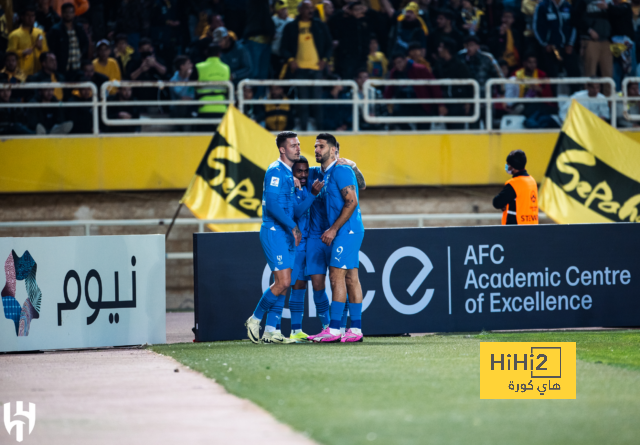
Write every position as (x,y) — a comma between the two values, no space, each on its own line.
(272,189)
(303,206)
(350,198)
(359,176)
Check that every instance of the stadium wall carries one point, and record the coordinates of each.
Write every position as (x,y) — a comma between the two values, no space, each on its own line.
(159,162)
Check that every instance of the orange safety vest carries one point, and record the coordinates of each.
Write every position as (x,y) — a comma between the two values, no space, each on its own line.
(526,200)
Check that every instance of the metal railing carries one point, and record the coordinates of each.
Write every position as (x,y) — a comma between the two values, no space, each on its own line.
(625,98)
(104,103)
(358,105)
(370,102)
(353,101)
(419,219)
(52,86)
(490,101)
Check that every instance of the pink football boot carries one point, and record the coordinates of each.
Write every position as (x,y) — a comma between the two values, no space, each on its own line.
(350,337)
(326,337)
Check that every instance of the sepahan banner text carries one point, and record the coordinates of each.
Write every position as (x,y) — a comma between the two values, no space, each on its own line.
(444,279)
(82,292)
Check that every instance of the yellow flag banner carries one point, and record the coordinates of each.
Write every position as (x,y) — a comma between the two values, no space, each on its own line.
(228,182)
(594,173)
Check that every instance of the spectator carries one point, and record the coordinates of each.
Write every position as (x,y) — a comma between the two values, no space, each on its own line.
(373,110)
(82,117)
(538,114)
(12,120)
(184,69)
(505,42)
(338,117)
(377,63)
(47,120)
(123,112)
(556,36)
(450,67)
(46,16)
(131,21)
(445,29)
(505,91)
(146,67)
(49,73)
(403,68)
(481,68)
(164,28)
(11,69)
(351,32)
(234,54)
(104,64)
(89,72)
(277,117)
(212,69)
(123,52)
(258,35)
(280,19)
(471,18)
(79,6)
(408,27)
(28,42)
(306,45)
(325,10)
(632,107)
(624,47)
(252,111)
(68,41)
(591,18)
(599,107)
(417,53)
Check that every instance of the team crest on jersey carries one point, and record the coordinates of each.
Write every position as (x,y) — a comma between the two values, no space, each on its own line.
(275,181)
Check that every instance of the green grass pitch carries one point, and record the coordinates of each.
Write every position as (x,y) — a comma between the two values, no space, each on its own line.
(425,390)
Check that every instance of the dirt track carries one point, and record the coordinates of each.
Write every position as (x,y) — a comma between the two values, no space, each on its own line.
(127,396)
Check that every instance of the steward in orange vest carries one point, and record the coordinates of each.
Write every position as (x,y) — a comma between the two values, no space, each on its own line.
(519,197)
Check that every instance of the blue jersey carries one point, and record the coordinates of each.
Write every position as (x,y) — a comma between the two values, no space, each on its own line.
(319,222)
(337,178)
(303,221)
(278,180)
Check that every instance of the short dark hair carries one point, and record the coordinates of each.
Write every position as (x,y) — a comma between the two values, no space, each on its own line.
(145,41)
(30,7)
(449,44)
(447,14)
(398,54)
(517,159)
(179,61)
(44,56)
(120,37)
(10,54)
(472,38)
(361,70)
(331,140)
(529,55)
(302,160)
(213,50)
(85,62)
(283,136)
(503,62)
(67,5)
(415,45)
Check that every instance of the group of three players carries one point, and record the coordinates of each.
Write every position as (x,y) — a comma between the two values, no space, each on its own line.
(311,223)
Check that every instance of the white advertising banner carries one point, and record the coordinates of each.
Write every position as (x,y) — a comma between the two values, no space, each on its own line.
(82,292)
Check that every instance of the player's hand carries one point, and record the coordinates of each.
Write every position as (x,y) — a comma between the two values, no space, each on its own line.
(328,236)
(297,235)
(293,66)
(345,161)
(296,182)
(316,187)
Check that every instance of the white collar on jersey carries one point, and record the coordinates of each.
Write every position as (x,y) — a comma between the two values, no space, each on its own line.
(329,167)
(280,160)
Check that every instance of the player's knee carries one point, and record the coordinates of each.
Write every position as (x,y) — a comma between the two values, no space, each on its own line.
(352,280)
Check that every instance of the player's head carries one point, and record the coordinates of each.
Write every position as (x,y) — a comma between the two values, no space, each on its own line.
(517,160)
(326,148)
(301,170)
(288,145)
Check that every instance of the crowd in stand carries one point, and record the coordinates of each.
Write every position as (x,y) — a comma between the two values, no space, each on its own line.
(231,40)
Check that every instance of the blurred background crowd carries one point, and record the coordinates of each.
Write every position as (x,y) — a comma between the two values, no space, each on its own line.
(178,40)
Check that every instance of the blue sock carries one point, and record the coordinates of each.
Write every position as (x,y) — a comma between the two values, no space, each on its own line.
(336,314)
(356,315)
(275,313)
(345,313)
(322,306)
(296,305)
(266,301)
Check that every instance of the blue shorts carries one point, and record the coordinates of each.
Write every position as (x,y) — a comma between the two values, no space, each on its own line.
(279,248)
(345,251)
(298,272)
(317,257)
